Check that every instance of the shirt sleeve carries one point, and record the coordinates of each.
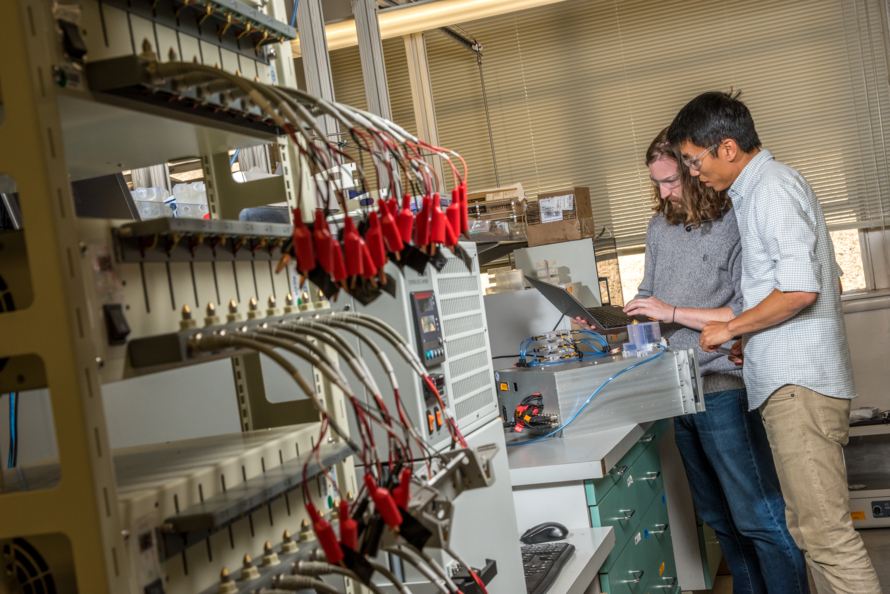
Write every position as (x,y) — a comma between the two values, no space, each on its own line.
(788,233)
(737,304)
(647,286)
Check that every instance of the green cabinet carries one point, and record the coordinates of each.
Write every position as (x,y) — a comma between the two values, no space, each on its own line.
(632,500)
(624,505)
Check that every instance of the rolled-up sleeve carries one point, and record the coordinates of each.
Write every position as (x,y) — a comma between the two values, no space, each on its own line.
(737,304)
(788,233)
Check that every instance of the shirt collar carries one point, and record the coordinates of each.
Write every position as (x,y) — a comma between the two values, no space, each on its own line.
(749,174)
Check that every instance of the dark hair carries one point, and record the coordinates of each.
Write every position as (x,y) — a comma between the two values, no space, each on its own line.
(713,117)
(701,203)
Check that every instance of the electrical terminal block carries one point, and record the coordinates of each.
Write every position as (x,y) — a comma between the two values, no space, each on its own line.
(287,544)
(248,570)
(290,306)
(270,557)
(253,309)
(233,316)
(226,585)
(187,323)
(211,319)
(272,311)
(306,533)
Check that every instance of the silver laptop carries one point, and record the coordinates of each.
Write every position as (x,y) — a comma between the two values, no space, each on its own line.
(602,318)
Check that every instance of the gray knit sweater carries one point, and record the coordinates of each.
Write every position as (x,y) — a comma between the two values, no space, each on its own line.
(698,268)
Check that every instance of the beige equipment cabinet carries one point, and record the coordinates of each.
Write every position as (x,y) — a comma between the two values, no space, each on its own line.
(81,514)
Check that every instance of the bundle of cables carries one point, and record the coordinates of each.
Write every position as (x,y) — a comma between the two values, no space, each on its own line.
(344,255)
(381,508)
(529,414)
(561,347)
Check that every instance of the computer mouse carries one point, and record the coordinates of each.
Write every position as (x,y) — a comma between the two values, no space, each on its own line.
(546,532)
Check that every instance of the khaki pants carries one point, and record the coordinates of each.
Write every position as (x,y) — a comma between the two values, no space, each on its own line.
(807,432)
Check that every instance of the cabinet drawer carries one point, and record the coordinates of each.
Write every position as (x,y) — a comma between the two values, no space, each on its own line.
(626,504)
(664,578)
(655,522)
(597,489)
(639,560)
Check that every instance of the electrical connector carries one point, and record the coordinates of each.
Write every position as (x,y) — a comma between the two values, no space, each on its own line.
(187,322)
(348,527)
(233,316)
(303,245)
(211,319)
(384,503)
(422,223)
(401,493)
(405,220)
(287,544)
(325,535)
(248,571)
(324,242)
(392,237)
(270,557)
(374,241)
(437,221)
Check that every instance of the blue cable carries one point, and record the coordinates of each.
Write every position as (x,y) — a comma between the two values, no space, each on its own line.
(234,158)
(13,424)
(293,17)
(583,406)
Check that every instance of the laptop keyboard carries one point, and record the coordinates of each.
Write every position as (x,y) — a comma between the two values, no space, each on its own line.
(608,320)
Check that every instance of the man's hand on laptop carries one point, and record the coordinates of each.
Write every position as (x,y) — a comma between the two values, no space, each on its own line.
(583,323)
(651,308)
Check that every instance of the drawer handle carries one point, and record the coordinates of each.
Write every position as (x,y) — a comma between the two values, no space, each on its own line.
(647,438)
(670,584)
(663,527)
(630,513)
(653,476)
(618,471)
(637,578)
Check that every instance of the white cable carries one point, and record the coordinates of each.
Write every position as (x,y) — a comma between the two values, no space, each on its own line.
(427,573)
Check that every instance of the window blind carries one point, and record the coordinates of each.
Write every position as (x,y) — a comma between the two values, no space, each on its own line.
(577,91)
(349,88)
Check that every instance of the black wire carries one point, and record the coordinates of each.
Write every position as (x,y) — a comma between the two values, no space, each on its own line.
(558,322)
(505,357)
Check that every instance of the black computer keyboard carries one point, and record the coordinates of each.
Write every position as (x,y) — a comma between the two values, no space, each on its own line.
(542,563)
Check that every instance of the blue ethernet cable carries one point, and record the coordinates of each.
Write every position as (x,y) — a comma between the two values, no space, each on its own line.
(13,430)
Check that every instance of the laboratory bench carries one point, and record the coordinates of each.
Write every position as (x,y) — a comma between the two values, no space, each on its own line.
(617,479)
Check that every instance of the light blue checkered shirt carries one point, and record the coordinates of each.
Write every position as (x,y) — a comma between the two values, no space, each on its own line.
(786,246)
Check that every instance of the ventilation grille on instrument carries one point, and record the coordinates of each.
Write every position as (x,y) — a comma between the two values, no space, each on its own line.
(465,365)
(25,565)
(462,325)
(458,347)
(471,384)
(457,267)
(458,305)
(466,284)
(475,404)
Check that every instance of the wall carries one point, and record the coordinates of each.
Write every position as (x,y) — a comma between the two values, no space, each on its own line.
(869,336)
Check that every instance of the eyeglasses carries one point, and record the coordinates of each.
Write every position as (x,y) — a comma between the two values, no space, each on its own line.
(695,163)
(667,184)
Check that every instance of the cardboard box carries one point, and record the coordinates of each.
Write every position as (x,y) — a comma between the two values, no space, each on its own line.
(554,217)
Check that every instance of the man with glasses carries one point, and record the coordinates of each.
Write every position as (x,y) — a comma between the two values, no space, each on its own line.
(797,360)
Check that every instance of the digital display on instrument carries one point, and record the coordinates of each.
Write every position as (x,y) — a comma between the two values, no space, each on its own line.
(425,304)
(428,324)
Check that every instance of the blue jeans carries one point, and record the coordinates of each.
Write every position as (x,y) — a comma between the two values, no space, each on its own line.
(735,490)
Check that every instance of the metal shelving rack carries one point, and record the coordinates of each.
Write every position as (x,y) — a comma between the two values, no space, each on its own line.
(56,339)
